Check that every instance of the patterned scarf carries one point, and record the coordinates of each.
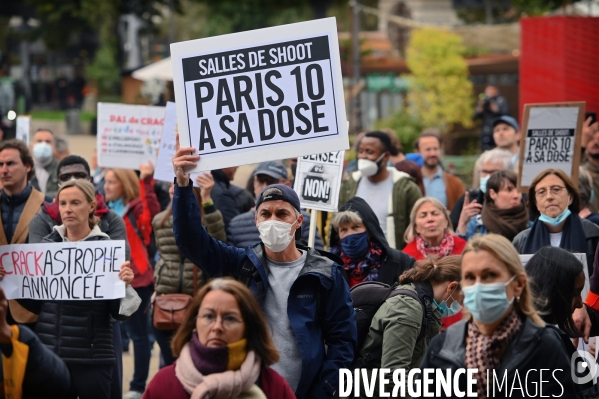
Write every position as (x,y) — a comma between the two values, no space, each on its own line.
(363,269)
(444,249)
(483,352)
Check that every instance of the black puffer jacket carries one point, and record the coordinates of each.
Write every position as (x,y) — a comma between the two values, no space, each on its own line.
(532,349)
(223,197)
(393,262)
(79,332)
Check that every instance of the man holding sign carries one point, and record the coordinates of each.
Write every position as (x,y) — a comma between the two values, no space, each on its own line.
(303,293)
(77,289)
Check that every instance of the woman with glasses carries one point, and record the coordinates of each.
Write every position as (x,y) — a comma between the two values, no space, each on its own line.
(223,348)
(553,200)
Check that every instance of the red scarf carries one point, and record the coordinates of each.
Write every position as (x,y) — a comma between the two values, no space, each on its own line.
(444,249)
(52,209)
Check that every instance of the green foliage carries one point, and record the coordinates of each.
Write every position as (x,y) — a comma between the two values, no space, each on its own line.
(406,125)
(440,94)
(104,70)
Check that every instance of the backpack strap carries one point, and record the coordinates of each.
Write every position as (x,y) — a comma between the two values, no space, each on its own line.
(133,222)
(378,353)
(249,273)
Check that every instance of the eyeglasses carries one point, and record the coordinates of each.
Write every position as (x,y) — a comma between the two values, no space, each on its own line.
(70,176)
(228,322)
(555,191)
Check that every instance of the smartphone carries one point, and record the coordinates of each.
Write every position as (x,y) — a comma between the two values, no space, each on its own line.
(592,115)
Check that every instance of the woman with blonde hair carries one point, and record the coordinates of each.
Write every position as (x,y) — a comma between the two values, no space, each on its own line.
(135,201)
(80,331)
(430,232)
(505,337)
(223,348)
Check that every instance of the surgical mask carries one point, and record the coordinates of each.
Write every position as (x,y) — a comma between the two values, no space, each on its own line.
(448,311)
(355,245)
(369,168)
(275,235)
(487,302)
(483,183)
(555,221)
(42,152)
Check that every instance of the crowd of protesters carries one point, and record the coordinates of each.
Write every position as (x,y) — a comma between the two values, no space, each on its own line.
(268,316)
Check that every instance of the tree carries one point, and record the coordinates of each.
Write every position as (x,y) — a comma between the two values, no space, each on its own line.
(440,92)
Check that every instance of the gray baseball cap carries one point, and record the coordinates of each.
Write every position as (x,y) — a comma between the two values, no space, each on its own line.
(274,169)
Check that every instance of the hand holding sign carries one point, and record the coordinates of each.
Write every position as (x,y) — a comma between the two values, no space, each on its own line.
(146,170)
(182,160)
(206,182)
(126,274)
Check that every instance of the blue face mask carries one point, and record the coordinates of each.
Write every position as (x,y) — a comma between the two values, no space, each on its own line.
(483,183)
(355,245)
(448,311)
(487,302)
(555,221)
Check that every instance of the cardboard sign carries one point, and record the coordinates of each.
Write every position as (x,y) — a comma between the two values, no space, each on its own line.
(84,270)
(261,95)
(128,135)
(551,140)
(23,128)
(318,180)
(164,163)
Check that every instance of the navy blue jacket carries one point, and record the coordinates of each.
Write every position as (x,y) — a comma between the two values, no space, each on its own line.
(242,231)
(319,293)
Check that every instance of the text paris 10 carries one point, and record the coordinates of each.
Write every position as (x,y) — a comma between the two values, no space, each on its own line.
(261,96)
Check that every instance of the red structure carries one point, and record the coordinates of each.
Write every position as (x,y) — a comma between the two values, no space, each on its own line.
(559,60)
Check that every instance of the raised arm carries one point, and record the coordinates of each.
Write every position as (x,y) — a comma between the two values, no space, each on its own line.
(212,256)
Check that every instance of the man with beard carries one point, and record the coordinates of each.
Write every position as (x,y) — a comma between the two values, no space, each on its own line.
(437,183)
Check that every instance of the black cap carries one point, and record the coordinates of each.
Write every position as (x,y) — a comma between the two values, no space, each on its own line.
(284,193)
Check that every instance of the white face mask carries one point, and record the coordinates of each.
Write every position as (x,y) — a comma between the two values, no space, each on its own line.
(276,235)
(42,151)
(369,168)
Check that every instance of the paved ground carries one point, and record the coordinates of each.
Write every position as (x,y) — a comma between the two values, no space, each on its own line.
(128,366)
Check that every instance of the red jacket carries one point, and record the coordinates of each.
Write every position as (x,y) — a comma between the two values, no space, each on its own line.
(165,384)
(458,247)
(143,209)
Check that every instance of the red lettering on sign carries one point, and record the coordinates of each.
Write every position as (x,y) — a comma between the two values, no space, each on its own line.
(118,119)
(15,263)
(38,268)
(2,263)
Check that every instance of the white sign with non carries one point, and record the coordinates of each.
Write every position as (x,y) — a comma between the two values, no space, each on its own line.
(128,135)
(85,270)
(261,95)
(318,180)
(23,128)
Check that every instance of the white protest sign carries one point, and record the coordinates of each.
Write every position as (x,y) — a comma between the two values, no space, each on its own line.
(261,95)
(164,163)
(83,270)
(23,128)
(551,140)
(318,180)
(128,135)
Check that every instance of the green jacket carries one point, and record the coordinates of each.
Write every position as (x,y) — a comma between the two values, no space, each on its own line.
(173,273)
(395,327)
(405,194)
